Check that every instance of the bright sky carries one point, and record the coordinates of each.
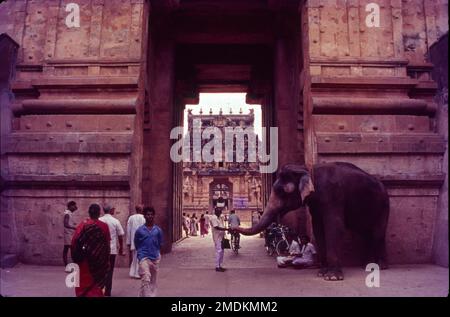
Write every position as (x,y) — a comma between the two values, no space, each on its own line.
(215,101)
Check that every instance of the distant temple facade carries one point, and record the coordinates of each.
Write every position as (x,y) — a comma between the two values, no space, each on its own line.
(238,183)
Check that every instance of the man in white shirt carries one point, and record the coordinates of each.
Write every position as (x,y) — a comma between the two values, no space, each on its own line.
(116,232)
(207,220)
(186,224)
(134,222)
(218,232)
(294,251)
(307,253)
(69,228)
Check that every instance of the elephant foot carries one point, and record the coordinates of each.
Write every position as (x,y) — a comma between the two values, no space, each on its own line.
(322,272)
(334,275)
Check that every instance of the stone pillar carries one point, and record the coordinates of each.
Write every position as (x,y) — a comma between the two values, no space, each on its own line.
(283,100)
(8,235)
(157,147)
(286,91)
(439,57)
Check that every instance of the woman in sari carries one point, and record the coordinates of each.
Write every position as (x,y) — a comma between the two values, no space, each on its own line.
(203,226)
(194,225)
(91,250)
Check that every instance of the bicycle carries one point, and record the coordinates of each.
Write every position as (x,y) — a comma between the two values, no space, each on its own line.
(269,236)
(235,238)
(276,241)
(282,246)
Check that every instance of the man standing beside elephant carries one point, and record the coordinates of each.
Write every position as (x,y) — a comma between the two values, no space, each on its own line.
(218,233)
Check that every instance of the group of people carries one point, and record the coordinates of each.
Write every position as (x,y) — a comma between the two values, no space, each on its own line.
(300,255)
(96,242)
(191,225)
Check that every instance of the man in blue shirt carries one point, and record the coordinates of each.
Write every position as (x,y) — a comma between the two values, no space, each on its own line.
(234,222)
(148,241)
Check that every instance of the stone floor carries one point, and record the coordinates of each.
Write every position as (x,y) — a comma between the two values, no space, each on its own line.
(189,271)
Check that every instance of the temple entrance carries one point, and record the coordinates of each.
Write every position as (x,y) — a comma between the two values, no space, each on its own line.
(250,47)
(221,194)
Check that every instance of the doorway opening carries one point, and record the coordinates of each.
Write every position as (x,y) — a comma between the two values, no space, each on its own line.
(247,47)
(234,184)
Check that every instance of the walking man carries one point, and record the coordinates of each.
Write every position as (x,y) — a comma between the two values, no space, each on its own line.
(116,232)
(134,222)
(218,233)
(207,220)
(148,241)
(69,228)
(185,225)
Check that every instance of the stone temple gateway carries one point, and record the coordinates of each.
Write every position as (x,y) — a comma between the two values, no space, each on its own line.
(87,108)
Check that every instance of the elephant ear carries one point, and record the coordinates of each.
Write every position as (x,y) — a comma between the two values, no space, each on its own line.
(305,186)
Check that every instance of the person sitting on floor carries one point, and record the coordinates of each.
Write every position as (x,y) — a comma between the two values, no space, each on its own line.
(294,251)
(308,254)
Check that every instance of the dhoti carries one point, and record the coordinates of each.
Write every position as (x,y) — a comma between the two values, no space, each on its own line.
(134,268)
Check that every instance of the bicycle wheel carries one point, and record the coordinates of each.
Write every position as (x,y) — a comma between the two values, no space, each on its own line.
(282,247)
(233,244)
(270,249)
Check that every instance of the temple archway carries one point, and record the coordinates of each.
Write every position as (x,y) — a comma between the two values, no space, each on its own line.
(252,47)
(221,194)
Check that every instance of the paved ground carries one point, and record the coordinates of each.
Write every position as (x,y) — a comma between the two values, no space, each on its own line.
(189,271)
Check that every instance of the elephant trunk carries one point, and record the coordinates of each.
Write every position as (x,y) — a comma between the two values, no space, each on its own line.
(273,207)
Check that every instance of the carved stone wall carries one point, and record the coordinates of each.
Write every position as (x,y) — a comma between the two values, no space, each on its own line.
(74,128)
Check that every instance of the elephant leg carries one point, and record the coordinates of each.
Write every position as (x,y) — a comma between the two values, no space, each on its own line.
(319,237)
(367,255)
(379,251)
(334,229)
(378,247)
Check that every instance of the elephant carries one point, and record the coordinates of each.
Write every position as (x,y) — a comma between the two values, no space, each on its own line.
(339,196)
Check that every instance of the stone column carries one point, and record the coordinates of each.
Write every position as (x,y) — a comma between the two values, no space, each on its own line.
(8,235)
(161,91)
(286,87)
(439,57)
